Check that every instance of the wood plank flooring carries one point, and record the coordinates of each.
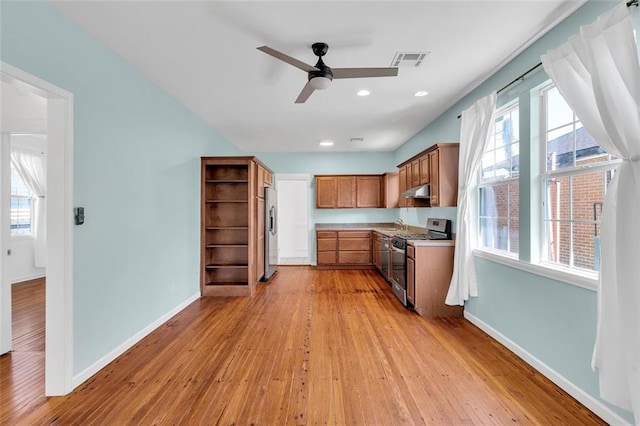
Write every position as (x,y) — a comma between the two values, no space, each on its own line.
(312,347)
(22,370)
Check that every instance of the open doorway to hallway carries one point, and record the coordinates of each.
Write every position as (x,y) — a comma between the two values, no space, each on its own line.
(43,203)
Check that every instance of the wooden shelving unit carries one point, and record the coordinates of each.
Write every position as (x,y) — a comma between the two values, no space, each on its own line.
(227,225)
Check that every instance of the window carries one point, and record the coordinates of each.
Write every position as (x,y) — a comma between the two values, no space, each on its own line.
(21,216)
(499,193)
(575,175)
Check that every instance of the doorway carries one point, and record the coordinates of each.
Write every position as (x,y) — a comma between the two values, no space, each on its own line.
(293,218)
(59,228)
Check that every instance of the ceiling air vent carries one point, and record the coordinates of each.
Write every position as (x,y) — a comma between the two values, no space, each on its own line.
(409,59)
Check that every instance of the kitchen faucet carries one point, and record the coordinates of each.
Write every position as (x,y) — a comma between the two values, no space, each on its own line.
(403,225)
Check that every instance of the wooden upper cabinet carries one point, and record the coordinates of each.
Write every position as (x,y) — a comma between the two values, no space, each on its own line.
(425,178)
(351,191)
(444,175)
(346,196)
(369,191)
(326,192)
(390,186)
(436,166)
(402,185)
(415,173)
(264,179)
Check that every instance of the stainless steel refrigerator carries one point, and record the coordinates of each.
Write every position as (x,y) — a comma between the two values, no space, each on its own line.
(271,233)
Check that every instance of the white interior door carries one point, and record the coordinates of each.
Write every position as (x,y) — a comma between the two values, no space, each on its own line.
(293,219)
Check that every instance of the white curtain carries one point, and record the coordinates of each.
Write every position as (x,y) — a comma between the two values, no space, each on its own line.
(30,166)
(475,130)
(597,72)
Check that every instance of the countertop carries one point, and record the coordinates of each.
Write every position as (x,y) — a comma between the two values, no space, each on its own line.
(388,229)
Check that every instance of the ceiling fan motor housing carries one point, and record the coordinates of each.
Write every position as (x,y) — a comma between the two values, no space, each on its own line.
(320,49)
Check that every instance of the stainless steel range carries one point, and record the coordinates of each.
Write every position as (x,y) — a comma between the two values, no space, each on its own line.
(437,229)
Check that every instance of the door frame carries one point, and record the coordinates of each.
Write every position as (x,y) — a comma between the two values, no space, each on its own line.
(59,286)
(302,177)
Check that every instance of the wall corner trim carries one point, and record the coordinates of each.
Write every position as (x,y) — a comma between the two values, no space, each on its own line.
(127,344)
(581,396)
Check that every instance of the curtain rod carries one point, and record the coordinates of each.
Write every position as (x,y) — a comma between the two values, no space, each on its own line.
(530,70)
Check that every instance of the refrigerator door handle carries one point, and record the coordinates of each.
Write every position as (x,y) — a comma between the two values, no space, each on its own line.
(272,220)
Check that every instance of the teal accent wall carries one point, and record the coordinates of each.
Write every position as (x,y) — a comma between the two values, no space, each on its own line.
(136,171)
(553,321)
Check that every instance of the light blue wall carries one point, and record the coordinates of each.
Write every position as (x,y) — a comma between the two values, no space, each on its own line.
(136,172)
(553,321)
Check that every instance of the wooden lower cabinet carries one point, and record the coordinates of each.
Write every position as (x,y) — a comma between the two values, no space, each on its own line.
(343,249)
(429,270)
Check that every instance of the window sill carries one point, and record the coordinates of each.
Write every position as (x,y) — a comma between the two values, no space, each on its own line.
(584,280)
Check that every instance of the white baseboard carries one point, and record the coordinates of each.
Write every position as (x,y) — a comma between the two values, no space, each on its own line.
(27,278)
(584,398)
(102,362)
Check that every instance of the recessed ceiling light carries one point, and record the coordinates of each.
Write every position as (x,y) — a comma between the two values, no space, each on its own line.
(326,143)
(363,92)
(421,93)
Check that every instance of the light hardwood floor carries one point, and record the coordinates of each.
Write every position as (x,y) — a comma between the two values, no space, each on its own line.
(312,347)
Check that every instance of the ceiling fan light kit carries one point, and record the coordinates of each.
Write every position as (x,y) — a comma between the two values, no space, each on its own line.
(321,75)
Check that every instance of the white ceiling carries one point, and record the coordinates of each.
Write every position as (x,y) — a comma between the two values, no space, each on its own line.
(204,54)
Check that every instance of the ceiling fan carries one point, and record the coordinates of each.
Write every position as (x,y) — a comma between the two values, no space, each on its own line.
(320,75)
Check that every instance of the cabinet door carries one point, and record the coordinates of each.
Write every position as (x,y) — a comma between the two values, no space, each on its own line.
(402,185)
(377,247)
(411,280)
(424,170)
(326,192)
(346,191)
(434,170)
(369,191)
(260,182)
(415,173)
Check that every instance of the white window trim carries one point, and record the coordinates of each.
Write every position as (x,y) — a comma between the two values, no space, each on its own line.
(586,279)
(508,107)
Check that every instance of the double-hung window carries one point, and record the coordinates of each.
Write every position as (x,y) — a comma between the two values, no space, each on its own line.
(574,179)
(21,211)
(499,194)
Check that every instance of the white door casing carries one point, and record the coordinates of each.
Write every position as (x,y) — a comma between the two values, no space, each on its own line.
(59,287)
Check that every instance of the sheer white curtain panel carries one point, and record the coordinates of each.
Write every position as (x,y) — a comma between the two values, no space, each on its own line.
(31,167)
(475,131)
(598,73)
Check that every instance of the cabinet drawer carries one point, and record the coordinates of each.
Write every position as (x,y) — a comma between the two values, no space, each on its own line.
(326,258)
(327,234)
(353,234)
(326,244)
(354,257)
(411,252)
(354,244)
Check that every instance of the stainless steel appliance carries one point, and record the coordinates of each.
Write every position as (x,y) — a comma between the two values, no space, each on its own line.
(271,233)
(437,229)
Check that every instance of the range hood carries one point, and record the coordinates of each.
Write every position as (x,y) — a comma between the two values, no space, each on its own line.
(422,191)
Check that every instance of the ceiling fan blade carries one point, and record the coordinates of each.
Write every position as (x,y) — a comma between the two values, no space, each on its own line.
(288,59)
(307,90)
(363,72)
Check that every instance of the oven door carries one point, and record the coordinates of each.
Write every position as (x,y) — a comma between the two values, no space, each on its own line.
(398,267)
